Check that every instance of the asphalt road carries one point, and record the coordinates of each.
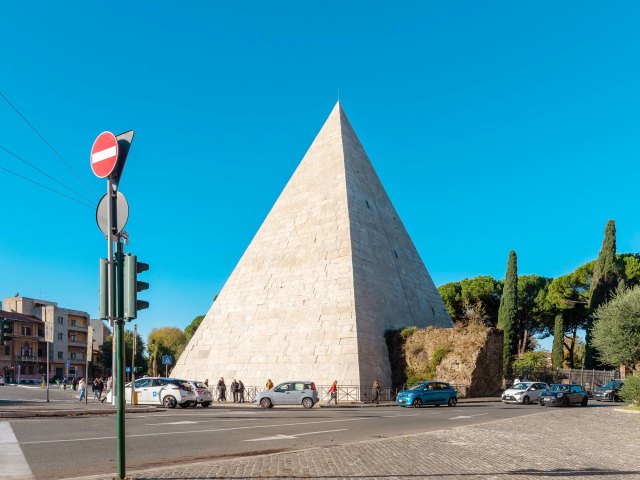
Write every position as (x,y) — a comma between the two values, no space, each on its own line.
(75,446)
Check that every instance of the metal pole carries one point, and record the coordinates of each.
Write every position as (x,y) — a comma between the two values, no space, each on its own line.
(133,360)
(110,302)
(119,260)
(47,372)
(166,370)
(86,370)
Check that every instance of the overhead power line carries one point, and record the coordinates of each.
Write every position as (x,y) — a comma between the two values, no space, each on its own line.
(45,187)
(15,109)
(42,172)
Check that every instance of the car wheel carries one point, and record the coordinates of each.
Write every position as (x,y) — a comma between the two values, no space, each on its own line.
(584,402)
(307,402)
(417,403)
(193,404)
(616,398)
(541,403)
(565,402)
(184,404)
(265,403)
(205,404)
(169,401)
(526,400)
(453,401)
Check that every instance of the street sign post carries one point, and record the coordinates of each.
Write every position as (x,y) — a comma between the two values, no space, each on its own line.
(167,360)
(119,217)
(48,338)
(104,154)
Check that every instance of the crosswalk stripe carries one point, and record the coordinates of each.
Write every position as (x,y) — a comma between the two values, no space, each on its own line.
(14,464)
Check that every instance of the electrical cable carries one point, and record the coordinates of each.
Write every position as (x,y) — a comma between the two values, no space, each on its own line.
(44,186)
(42,172)
(43,139)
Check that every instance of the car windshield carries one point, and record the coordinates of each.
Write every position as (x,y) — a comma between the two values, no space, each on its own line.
(612,385)
(560,388)
(520,386)
(418,386)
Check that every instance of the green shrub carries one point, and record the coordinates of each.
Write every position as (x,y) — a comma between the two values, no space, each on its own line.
(407,332)
(428,372)
(438,355)
(630,392)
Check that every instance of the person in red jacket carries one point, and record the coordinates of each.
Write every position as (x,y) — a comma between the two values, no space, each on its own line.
(333,392)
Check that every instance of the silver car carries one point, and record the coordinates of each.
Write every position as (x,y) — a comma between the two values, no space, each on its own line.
(203,394)
(524,392)
(299,392)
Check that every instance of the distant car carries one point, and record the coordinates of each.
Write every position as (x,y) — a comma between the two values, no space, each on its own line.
(1,380)
(203,394)
(428,393)
(289,393)
(562,395)
(610,392)
(168,392)
(524,392)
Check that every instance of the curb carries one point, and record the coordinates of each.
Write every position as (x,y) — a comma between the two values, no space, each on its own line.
(71,413)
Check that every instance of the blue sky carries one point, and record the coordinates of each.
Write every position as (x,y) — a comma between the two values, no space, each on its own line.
(493,126)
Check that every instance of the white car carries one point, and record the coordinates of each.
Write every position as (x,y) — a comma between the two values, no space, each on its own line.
(524,392)
(1,380)
(167,392)
(203,395)
(290,393)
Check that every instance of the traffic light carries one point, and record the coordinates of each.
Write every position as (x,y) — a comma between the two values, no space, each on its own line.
(6,330)
(132,286)
(104,290)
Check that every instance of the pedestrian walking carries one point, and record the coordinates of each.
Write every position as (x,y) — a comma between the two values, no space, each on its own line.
(222,390)
(376,391)
(74,384)
(206,383)
(333,392)
(100,387)
(234,390)
(96,388)
(82,387)
(64,383)
(269,384)
(240,389)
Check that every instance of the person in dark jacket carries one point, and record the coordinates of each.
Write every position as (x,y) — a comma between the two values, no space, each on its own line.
(376,392)
(234,390)
(222,390)
(240,389)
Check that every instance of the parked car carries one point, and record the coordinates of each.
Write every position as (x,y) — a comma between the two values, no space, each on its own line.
(524,392)
(428,393)
(564,395)
(168,392)
(609,392)
(203,394)
(289,393)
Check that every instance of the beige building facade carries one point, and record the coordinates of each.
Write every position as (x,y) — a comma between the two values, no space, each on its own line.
(70,330)
(330,270)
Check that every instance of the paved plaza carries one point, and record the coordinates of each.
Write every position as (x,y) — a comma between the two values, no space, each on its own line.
(597,442)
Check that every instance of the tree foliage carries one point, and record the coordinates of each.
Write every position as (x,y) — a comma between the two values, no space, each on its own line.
(507,314)
(458,296)
(616,329)
(141,351)
(606,276)
(529,361)
(165,341)
(193,326)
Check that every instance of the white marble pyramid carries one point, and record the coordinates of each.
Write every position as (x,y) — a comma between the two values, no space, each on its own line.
(329,271)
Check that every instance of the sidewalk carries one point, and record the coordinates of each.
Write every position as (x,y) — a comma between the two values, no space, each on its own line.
(540,445)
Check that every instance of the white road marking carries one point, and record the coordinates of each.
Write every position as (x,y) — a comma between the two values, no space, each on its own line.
(289,437)
(212,430)
(14,465)
(183,422)
(467,416)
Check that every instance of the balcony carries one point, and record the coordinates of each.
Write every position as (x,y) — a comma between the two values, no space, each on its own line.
(77,343)
(29,358)
(79,328)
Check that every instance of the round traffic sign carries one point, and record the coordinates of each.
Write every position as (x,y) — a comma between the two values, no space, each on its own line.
(104,154)
(119,219)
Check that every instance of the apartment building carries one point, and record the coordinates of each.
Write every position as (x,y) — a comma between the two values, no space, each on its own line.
(67,353)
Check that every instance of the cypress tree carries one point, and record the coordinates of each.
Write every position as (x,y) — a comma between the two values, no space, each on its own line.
(606,274)
(507,314)
(557,355)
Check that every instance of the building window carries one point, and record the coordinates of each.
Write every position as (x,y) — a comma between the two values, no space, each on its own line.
(7,349)
(60,320)
(26,331)
(73,338)
(73,323)
(59,336)
(60,355)
(74,356)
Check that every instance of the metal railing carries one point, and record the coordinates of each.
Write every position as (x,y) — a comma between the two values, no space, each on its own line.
(589,379)
(345,393)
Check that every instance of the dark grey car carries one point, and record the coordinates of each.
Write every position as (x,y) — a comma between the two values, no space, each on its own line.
(609,392)
(561,395)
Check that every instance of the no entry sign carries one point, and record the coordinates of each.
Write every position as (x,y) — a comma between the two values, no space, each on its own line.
(104,154)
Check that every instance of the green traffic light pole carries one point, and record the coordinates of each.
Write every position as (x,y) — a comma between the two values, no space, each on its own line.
(119,325)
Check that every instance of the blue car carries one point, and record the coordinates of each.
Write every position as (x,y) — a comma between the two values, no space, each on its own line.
(428,393)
